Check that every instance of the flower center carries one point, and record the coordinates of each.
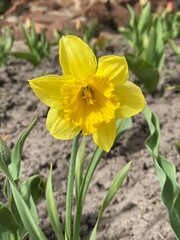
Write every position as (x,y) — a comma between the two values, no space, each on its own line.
(87,95)
(89,104)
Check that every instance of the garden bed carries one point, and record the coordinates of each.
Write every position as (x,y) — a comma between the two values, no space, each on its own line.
(136,212)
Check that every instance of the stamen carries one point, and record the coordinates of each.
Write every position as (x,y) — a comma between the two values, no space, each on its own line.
(87,95)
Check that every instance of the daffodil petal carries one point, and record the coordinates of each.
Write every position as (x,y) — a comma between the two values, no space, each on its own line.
(76,58)
(105,135)
(48,88)
(113,67)
(59,127)
(131,100)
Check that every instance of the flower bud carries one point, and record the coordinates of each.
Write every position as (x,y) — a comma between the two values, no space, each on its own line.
(143,2)
(170,7)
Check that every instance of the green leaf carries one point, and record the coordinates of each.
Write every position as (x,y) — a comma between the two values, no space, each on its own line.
(29,40)
(9,42)
(31,57)
(148,74)
(159,57)
(122,125)
(90,32)
(145,19)
(175,48)
(15,166)
(27,219)
(52,208)
(79,166)
(84,187)
(70,186)
(165,171)
(133,26)
(33,35)
(8,220)
(31,190)
(150,52)
(5,153)
(115,186)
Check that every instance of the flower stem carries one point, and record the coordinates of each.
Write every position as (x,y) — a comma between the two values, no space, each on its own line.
(70,185)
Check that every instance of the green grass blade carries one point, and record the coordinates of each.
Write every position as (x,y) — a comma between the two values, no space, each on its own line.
(15,166)
(115,186)
(166,173)
(52,208)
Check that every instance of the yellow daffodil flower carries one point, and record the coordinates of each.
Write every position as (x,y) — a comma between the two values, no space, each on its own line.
(90,95)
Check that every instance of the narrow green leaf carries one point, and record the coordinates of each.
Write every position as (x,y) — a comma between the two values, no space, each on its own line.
(133,26)
(15,166)
(90,32)
(52,208)
(122,125)
(160,52)
(9,42)
(174,47)
(28,38)
(84,187)
(70,186)
(27,219)
(31,57)
(115,186)
(150,52)
(33,35)
(145,19)
(4,236)
(79,166)
(147,73)
(31,190)
(8,220)
(5,153)
(166,173)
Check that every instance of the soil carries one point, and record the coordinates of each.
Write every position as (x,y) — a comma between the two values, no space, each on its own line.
(136,212)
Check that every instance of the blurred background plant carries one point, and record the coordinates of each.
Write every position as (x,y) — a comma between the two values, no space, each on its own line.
(145,38)
(170,24)
(38,45)
(6,43)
